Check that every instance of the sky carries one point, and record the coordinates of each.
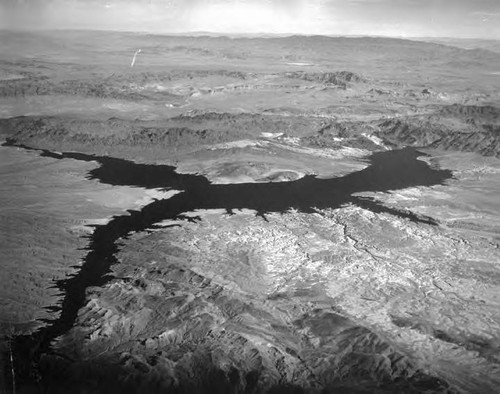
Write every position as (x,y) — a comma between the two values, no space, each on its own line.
(397,18)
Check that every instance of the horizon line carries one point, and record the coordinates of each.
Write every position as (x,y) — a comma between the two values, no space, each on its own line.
(216,34)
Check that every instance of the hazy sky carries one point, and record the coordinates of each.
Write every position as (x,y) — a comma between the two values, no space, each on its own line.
(443,18)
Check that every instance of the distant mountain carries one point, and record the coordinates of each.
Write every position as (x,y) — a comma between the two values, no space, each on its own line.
(465,43)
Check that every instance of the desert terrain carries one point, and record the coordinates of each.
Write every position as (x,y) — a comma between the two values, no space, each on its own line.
(301,214)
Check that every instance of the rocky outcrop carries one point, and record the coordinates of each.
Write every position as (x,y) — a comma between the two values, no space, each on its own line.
(340,78)
(136,86)
(113,132)
(485,112)
(90,88)
(162,325)
(456,127)
(186,131)
(336,135)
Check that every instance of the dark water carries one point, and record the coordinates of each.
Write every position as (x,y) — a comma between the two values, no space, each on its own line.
(389,170)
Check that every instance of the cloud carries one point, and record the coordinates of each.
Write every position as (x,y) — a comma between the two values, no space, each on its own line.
(490,14)
(84,14)
(270,16)
(292,7)
(338,17)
